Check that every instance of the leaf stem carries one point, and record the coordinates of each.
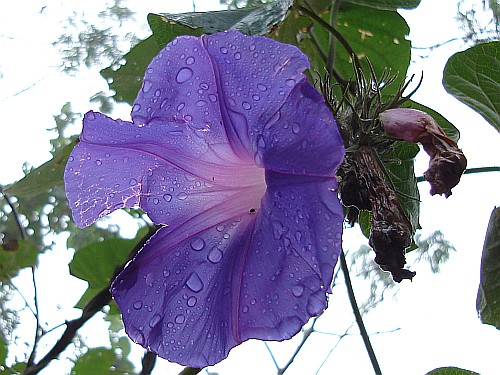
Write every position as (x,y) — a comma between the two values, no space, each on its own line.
(470,171)
(333,21)
(357,315)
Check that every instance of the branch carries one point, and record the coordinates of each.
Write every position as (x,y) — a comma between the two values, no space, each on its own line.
(31,359)
(307,334)
(148,362)
(190,371)
(94,306)
(14,212)
(357,315)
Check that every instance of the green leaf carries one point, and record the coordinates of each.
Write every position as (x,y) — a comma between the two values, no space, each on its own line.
(450,130)
(451,371)
(488,296)
(473,77)
(165,29)
(44,178)
(126,80)
(96,263)
(95,361)
(402,174)
(387,4)
(23,254)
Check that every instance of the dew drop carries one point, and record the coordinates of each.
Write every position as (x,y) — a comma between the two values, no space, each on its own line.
(220,228)
(256,97)
(190,60)
(191,301)
(180,106)
(136,108)
(246,105)
(183,75)
(198,244)
(212,98)
(316,303)
(290,82)
(156,201)
(133,181)
(194,282)
(167,197)
(244,309)
(261,87)
(223,50)
(261,141)
(146,86)
(296,127)
(90,116)
(204,86)
(253,301)
(71,158)
(237,55)
(179,319)
(137,305)
(201,103)
(182,196)
(215,255)
(231,101)
(297,290)
(166,273)
(98,162)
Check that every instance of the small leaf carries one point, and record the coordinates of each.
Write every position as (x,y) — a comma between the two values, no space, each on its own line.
(473,77)
(387,4)
(451,371)
(95,361)
(488,296)
(127,79)
(24,254)
(97,263)
(44,178)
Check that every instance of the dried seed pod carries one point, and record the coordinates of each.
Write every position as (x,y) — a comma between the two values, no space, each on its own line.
(391,231)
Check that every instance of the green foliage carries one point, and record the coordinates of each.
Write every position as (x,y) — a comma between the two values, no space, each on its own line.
(387,4)
(95,361)
(97,263)
(473,77)
(488,296)
(451,371)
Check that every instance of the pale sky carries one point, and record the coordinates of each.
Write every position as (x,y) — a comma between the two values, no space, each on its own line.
(435,313)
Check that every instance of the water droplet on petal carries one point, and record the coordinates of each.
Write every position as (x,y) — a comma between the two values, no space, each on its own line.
(180,106)
(261,87)
(316,303)
(201,103)
(167,197)
(246,105)
(194,282)
(237,55)
(212,97)
(215,255)
(261,141)
(90,116)
(297,290)
(136,108)
(204,86)
(198,244)
(244,309)
(133,181)
(146,86)
(179,319)
(191,301)
(182,196)
(137,305)
(155,320)
(183,75)
(190,60)
(290,82)
(98,162)
(296,127)
(223,50)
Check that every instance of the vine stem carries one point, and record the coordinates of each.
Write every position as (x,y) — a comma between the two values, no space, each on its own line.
(470,171)
(357,315)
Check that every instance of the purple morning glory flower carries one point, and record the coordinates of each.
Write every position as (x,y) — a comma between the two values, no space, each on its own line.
(235,152)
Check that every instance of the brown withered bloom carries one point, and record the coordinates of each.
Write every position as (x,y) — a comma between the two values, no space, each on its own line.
(447,162)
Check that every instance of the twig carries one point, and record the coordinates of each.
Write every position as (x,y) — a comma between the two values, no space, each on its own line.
(307,334)
(94,306)
(31,358)
(333,21)
(357,315)
(333,348)
(272,355)
(190,371)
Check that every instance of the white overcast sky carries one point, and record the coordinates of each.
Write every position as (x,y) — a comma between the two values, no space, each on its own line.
(435,313)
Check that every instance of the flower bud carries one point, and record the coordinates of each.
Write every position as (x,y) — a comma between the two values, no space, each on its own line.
(447,161)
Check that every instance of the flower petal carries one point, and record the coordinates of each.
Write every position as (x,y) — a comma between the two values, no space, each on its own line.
(304,130)
(254,77)
(113,168)
(196,290)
